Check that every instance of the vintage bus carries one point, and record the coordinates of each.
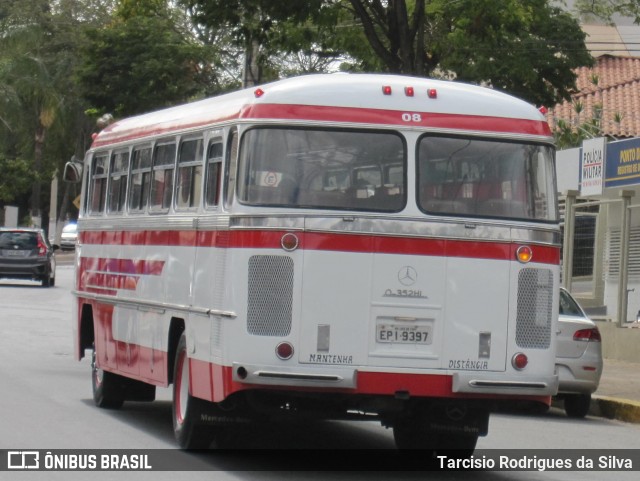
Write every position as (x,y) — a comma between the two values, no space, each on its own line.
(341,246)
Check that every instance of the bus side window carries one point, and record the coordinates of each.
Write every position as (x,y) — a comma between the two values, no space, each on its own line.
(118,181)
(189,181)
(162,177)
(98,189)
(214,169)
(140,179)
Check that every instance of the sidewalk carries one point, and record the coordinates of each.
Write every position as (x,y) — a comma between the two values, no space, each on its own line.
(618,395)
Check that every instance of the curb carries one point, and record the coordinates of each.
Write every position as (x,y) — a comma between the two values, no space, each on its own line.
(613,408)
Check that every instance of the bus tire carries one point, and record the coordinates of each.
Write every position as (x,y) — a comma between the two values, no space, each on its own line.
(411,434)
(108,388)
(186,409)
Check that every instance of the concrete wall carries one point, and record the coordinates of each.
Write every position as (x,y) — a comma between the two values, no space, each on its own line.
(621,343)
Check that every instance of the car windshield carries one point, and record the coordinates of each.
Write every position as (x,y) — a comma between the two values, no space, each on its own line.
(69,228)
(18,240)
(568,306)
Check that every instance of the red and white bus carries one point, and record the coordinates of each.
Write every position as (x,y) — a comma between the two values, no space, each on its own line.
(343,246)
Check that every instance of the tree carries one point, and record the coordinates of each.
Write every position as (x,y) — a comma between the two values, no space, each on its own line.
(140,62)
(606,9)
(255,26)
(41,120)
(529,49)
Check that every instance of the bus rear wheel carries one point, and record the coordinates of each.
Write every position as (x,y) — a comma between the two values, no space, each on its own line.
(412,434)
(189,411)
(108,388)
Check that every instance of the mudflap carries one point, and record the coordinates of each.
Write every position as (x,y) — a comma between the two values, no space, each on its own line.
(459,417)
(451,416)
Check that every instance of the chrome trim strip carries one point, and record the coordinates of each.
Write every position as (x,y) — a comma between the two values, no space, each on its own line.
(340,377)
(504,383)
(299,376)
(142,304)
(345,223)
(509,384)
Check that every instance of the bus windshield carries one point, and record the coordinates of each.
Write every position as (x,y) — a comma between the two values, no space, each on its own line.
(486,178)
(329,169)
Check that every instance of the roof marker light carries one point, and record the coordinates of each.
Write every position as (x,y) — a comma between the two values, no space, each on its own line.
(432,93)
(408,91)
(258,93)
(386,89)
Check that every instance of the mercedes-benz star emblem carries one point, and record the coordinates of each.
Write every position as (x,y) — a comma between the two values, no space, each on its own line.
(407,276)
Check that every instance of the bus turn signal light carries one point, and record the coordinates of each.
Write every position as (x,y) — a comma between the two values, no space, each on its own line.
(524,254)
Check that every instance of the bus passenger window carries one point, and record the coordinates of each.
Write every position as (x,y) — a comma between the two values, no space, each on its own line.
(98,183)
(162,177)
(323,169)
(118,181)
(140,179)
(189,182)
(214,168)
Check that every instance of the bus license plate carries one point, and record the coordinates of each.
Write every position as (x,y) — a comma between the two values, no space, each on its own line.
(404,334)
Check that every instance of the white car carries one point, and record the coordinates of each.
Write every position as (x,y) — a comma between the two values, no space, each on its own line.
(69,236)
(578,357)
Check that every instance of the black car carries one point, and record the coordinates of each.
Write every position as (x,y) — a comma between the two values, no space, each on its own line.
(25,253)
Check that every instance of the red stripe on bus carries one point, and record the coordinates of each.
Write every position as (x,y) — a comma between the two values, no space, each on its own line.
(396,117)
(323,113)
(122,266)
(340,242)
(107,137)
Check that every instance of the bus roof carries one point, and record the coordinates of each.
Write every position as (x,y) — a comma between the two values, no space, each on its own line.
(345,98)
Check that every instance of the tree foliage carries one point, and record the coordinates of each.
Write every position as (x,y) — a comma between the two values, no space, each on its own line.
(140,62)
(529,49)
(606,9)
(65,62)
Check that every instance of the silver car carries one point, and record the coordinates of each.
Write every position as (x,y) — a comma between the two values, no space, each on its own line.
(578,357)
(69,236)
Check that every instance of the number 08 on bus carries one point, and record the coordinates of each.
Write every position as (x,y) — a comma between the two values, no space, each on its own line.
(353,246)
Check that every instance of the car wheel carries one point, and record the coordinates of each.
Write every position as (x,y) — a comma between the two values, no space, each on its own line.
(46,281)
(108,388)
(577,405)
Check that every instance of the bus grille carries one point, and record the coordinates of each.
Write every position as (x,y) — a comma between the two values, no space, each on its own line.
(535,303)
(270,295)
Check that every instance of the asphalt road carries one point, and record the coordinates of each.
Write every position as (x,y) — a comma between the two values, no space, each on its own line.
(46,404)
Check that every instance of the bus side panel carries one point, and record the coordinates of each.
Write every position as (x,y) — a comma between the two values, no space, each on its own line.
(208,287)
(105,345)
